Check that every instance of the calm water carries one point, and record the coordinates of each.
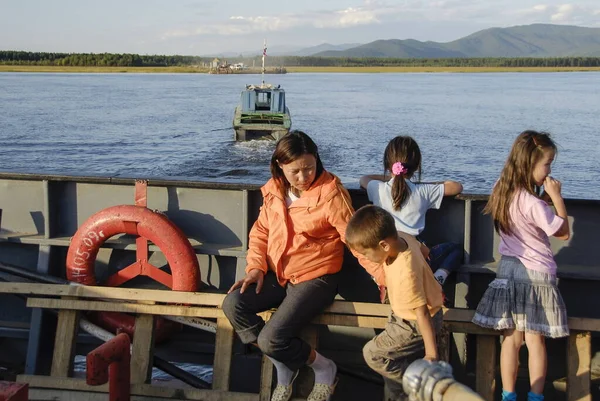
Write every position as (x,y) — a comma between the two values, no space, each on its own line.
(162,125)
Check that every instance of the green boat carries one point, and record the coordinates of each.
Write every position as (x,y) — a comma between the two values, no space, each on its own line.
(262,113)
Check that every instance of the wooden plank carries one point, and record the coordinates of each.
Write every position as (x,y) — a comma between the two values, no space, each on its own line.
(125,307)
(142,351)
(64,343)
(387,394)
(444,343)
(352,321)
(306,378)
(72,384)
(470,328)
(579,361)
(463,281)
(129,294)
(485,379)
(584,324)
(223,354)
(458,318)
(266,379)
(37,394)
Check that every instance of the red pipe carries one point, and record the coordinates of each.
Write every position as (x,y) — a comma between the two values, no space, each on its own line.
(110,362)
(10,391)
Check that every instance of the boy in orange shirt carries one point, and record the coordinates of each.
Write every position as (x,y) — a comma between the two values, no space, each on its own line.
(414,293)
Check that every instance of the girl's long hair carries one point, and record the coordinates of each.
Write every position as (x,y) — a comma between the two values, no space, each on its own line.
(403,149)
(516,175)
(288,149)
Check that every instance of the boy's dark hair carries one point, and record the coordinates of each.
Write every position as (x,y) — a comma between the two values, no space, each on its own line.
(369,225)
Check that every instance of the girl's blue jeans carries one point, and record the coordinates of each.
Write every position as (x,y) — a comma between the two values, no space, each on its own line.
(447,256)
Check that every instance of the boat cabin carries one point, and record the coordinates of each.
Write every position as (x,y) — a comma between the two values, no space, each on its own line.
(256,99)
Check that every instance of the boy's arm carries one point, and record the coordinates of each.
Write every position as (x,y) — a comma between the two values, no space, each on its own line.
(427,331)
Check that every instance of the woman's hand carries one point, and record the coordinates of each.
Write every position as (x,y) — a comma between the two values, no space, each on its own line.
(253,276)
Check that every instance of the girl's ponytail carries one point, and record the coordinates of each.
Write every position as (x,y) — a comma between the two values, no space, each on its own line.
(402,158)
(400,191)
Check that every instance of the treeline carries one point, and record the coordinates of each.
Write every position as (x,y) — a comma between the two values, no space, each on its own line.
(96,59)
(136,60)
(312,61)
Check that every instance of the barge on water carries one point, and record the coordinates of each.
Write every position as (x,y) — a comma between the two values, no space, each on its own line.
(42,213)
(262,113)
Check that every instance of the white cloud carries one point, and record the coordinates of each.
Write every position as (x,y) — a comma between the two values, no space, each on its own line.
(371,12)
(347,18)
(563,13)
(568,13)
(240,25)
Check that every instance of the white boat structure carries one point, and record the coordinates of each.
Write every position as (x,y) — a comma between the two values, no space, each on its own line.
(262,112)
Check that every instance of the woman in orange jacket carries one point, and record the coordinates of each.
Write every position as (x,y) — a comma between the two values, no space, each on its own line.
(296,248)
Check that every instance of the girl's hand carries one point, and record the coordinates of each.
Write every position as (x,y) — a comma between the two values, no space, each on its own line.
(253,276)
(552,187)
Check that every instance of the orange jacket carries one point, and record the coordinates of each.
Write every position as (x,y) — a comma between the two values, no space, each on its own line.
(306,240)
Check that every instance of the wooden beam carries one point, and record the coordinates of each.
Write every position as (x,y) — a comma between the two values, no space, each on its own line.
(266,379)
(306,379)
(223,354)
(142,350)
(72,384)
(463,282)
(485,379)
(128,294)
(352,321)
(69,395)
(369,315)
(579,361)
(64,343)
(444,343)
(125,307)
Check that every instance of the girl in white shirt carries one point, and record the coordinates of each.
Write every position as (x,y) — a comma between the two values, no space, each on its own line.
(409,201)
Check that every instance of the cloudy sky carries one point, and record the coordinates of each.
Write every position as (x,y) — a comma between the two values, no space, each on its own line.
(202,27)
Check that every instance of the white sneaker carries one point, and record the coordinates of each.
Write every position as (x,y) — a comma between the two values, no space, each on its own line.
(283,392)
(322,391)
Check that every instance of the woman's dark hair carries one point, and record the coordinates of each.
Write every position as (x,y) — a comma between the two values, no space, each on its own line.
(405,150)
(289,149)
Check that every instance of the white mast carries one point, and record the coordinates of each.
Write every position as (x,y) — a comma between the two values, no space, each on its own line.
(264,54)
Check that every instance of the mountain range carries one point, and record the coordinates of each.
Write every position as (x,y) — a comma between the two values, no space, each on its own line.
(536,40)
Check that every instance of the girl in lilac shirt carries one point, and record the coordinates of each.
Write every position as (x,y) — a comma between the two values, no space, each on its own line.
(523,301)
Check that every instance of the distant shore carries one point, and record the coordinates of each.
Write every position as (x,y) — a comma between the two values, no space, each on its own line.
(136,70)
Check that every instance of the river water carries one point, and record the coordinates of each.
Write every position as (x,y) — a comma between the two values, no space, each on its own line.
(179,125)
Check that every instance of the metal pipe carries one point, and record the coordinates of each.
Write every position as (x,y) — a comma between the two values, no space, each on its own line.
(433,381)
(32,275)
(111,362)
(158,362)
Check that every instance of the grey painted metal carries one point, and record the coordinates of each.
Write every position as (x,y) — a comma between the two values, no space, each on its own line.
(41,213)
(467,238)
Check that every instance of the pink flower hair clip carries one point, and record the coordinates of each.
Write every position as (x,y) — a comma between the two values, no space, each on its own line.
(398,168)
